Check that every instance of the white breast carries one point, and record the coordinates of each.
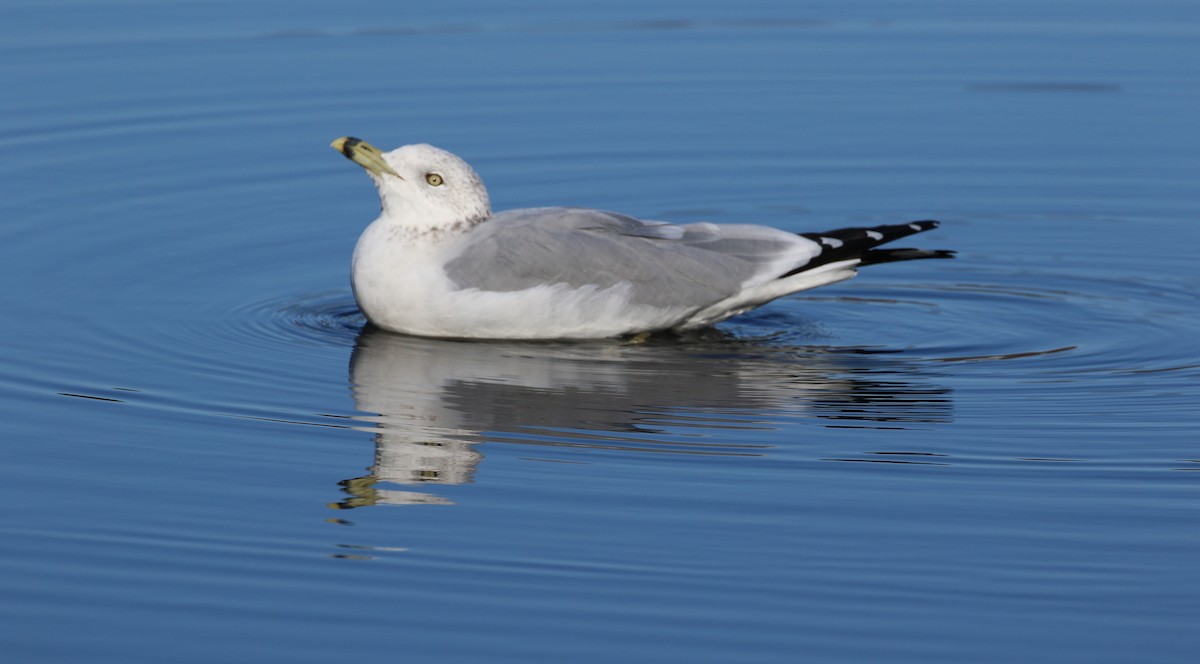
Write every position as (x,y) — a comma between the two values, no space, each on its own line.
(398,281)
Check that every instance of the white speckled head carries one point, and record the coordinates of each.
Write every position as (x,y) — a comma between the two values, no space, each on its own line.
(427,188)
(432,189)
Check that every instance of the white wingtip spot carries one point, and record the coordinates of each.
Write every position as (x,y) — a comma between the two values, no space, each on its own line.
(875,235)
(915,227)
(831,242)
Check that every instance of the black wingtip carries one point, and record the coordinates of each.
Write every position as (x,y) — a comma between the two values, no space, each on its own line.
(877,256)
(860,242)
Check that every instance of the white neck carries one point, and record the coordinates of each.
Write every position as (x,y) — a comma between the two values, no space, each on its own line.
(420,216)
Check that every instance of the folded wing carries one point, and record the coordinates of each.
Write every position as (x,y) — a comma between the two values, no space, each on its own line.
(693,265)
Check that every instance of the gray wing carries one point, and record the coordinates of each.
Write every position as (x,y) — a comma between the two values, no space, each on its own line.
(665,264)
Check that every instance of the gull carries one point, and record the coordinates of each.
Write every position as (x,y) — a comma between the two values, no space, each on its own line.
(439,263)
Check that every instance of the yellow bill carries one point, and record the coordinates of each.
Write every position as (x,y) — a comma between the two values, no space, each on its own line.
(364,154)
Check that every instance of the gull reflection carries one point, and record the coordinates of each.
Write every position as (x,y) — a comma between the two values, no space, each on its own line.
(430,402)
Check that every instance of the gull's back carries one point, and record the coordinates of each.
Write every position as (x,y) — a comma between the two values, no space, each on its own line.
(693,265)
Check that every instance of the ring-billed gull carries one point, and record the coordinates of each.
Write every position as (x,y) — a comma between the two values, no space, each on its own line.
(439,263)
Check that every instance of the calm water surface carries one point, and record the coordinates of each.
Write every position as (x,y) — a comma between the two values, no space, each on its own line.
(209,458)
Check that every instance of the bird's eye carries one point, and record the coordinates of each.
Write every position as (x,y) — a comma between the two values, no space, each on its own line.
(433,179)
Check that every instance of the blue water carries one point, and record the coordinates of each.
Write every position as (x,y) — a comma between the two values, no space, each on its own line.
(207,458)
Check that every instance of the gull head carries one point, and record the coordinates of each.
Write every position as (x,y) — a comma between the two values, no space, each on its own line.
(421,187)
